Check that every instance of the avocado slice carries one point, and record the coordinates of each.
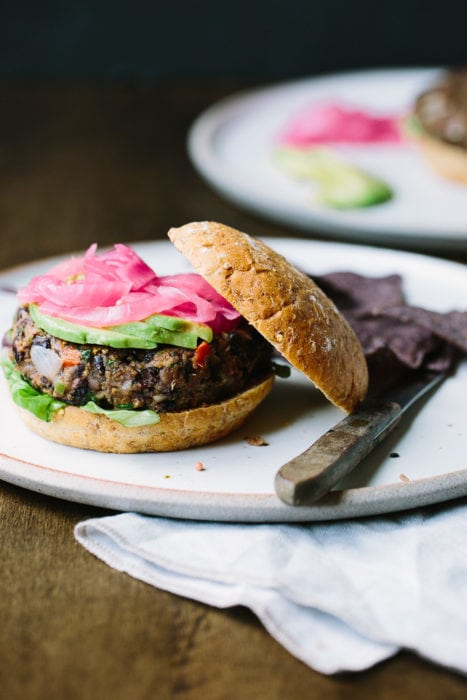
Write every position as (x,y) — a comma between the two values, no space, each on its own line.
(340,185)
(147,334)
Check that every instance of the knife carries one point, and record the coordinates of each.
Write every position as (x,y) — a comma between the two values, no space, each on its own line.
(310,475)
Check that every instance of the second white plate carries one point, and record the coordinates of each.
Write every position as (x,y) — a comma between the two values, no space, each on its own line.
(231,145)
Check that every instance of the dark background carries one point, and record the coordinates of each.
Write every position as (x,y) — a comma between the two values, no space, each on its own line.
(97,98)
(242,39)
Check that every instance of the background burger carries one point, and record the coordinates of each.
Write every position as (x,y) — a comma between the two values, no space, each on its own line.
(438,125)
(105,354)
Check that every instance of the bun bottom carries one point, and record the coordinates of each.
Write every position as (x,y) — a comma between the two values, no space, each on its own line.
(176,431)
(448,161)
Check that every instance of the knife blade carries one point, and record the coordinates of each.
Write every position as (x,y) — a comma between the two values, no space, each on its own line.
(309,476)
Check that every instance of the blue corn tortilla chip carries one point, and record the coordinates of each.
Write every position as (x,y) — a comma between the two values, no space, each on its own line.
(397,338)
(361,295)
(451,326)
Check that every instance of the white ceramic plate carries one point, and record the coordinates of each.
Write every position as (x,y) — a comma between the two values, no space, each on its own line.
(231,145)
(237,483)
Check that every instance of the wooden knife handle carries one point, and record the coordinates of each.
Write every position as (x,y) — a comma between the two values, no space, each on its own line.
(313,473)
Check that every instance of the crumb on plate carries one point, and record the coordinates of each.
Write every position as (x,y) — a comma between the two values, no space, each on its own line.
(256,440)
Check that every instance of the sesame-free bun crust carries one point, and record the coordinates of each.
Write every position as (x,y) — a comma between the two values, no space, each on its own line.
(447,160)
(283,304)
(76,427)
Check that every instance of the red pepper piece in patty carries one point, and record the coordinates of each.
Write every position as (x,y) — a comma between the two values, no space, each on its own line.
(202,353)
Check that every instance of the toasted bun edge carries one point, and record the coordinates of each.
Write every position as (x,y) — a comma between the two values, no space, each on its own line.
(447,160)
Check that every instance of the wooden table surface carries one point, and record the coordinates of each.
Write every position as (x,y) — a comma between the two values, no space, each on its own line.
(108,164)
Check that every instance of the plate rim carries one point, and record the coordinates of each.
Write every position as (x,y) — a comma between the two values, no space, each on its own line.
(178,503)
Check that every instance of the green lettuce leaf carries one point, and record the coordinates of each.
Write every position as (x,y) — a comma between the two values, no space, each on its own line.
(127,417)
(24,395)
(43,406)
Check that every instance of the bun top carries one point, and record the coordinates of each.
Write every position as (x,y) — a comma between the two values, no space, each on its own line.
(283,304)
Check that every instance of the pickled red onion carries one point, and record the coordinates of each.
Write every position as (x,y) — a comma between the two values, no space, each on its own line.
(121,263)
(78,293)
(333,123)
(118,287)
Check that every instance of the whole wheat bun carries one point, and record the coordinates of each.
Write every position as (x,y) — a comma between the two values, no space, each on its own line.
(76,427)
(438,124)
(447,160)
(283,304)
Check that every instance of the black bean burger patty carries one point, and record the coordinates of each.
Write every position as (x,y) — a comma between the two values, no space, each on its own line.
(442,110)
(166,379)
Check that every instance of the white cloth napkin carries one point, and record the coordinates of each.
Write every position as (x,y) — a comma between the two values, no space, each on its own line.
(340,596)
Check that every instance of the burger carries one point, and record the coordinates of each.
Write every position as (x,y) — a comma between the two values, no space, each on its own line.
(439,125)
(104,354)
